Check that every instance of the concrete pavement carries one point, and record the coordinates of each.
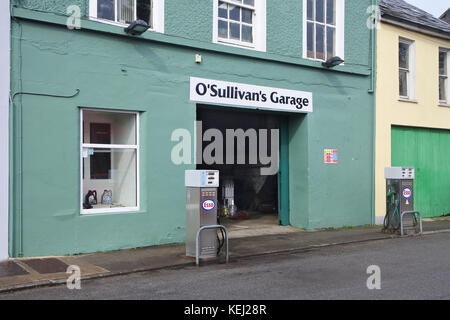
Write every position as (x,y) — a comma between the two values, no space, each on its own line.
(412,268)
(16,274)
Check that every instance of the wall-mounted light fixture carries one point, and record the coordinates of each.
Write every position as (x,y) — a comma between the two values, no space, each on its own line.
(332,62)
(137,27)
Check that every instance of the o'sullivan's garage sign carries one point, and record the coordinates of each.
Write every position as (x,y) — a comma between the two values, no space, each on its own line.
(239,94)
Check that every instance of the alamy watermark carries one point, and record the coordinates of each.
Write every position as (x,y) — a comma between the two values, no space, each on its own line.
(374,18)
(74,280)
(229,148)
(74,17)
(374,280)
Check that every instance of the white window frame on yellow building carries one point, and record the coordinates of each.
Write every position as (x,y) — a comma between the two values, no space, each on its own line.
(445,102)
(411,71)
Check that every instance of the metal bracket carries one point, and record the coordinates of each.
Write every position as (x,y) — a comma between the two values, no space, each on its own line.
(197,249)
(413,213)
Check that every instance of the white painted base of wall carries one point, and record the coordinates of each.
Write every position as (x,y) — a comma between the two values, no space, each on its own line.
(379,221)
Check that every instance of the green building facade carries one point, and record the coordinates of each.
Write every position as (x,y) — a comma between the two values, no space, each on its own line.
(69,60)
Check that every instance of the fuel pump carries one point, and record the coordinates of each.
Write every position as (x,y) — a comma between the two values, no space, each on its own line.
(399,199)
(201,211)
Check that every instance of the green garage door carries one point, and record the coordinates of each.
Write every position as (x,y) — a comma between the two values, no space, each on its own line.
(428,151)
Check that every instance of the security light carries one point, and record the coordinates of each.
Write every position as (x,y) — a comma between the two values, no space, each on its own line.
(333,62)
(137,27)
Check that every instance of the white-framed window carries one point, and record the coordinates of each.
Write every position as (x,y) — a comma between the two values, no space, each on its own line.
(444,87)
(109,161)
(123,12)
(240,23)
(323,29)
(406,65)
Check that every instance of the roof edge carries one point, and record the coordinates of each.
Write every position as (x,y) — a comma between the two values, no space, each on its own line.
(416,27)
(443,15)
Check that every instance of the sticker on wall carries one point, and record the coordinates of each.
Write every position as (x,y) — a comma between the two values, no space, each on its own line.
(407,193)
(330,156)
(208,205)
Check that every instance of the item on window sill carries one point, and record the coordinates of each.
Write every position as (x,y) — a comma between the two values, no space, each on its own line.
(87,206)
(107,197)
(91,197)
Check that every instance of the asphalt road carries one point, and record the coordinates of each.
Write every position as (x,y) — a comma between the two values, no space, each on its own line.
(411,268)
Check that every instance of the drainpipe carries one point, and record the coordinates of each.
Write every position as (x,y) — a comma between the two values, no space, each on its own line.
(5,72)
(372,90)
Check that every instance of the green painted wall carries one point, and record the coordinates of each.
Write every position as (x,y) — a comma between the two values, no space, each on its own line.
(428,151)
(151,74)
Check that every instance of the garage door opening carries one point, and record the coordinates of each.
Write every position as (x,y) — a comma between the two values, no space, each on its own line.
(249,193)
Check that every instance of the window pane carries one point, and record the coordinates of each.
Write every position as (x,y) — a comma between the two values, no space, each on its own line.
(223,29)
(235,31)
(100,133)
(442,89)
(235,13)
(223,10)
(144,11)
(247,16)
(404,55)
(310,9)
(105,9)
(100,164)
(247,34)
(310,48)
(331,14)
(110,179)
(109,128)
(331,42)
(320,54)
(125,11)
(443,63)
(320,11)
(249,2)
(403,82)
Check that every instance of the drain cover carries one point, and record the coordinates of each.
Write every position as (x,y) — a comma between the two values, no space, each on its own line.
(50,265)
(10,269)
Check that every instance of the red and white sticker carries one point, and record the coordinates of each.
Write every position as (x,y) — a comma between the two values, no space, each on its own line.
(208,205)
(407,193)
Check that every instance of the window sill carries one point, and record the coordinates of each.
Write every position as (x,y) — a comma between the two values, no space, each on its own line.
(97,212)
(443,104)
(408,100)
(118,24)
(237,44)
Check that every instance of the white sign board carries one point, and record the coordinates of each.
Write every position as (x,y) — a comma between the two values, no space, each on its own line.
(258,97)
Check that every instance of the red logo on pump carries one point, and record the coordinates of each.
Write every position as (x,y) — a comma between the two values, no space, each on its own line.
(208,205)
(407,193)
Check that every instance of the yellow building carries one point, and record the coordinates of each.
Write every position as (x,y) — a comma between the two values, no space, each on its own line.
(413,105)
